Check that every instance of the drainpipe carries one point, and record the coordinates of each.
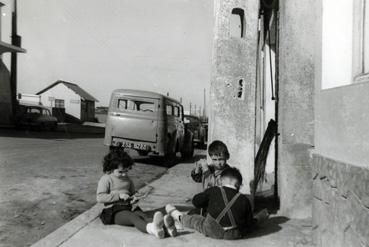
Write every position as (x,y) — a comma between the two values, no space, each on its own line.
(16,41)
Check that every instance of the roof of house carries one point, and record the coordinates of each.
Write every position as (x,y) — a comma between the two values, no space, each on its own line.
(74,87)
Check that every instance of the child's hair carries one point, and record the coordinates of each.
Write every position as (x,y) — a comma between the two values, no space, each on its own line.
(218,148)
(115,158)
(232,172)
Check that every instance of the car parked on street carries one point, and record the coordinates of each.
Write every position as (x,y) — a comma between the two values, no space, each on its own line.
(35,116)
(199,131)
(148,122)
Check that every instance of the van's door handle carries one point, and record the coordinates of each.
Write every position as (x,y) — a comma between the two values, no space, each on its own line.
(115,114)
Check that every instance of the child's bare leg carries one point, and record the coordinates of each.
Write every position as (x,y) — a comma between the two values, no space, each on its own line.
(128,218)
(140,221)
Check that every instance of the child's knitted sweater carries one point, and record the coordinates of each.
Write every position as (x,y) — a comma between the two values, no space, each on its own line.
(110,186)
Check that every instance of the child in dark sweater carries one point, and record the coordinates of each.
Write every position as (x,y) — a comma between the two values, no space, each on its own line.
(229,212)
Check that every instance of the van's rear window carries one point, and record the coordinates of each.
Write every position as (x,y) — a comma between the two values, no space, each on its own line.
(135,105)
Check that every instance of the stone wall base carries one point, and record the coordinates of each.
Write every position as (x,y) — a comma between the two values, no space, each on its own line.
(340,203)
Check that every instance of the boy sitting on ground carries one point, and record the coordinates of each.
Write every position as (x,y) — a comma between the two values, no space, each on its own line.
(229,212)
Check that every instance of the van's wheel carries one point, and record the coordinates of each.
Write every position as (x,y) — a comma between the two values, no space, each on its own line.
(171,156)
(171,150)
(41,127)
(188,152)
(53,127)
(142,152)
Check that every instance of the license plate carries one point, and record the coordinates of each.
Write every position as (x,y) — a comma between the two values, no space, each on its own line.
(132,145)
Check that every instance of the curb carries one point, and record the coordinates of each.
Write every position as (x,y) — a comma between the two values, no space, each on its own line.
(65,232)
(69,229)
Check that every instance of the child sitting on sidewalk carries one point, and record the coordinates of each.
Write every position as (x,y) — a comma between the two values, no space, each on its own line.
(229,212)
(116,190)
(209,175)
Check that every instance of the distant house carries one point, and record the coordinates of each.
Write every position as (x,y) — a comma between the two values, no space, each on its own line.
(69,101)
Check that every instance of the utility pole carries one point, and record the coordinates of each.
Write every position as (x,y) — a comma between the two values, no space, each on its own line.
(204,110)
(16,41)
(190,107)
(195,111)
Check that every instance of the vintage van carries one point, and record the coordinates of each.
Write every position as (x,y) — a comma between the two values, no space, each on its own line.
(147,122)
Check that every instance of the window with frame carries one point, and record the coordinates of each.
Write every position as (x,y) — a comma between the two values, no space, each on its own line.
(361,40)
(337,43)
(34,110)
(176,111)
(59,103)
(46,112)
(169,109)
(136,105)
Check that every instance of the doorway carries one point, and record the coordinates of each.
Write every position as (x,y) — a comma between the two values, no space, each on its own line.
(266,137)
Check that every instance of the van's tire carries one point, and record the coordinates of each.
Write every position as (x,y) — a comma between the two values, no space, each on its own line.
(171,149)
(142,152)
(188,146)
(41,127)
(188,152)
(54,126)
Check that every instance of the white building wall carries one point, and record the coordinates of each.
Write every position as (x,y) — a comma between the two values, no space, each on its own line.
(72,101)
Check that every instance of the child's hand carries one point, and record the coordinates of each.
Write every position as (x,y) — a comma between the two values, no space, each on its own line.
(198,166)
(203,164)
(124,196)
(134,199)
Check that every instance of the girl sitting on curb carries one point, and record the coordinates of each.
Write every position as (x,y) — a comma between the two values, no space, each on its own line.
(117,191)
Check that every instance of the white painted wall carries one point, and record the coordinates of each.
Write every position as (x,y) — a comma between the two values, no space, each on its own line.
(70,98)
(337,43)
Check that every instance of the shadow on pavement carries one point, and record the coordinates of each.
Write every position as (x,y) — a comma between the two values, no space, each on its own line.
(270,226)
(266,201)
(165,162)
(182,233)
(59,134)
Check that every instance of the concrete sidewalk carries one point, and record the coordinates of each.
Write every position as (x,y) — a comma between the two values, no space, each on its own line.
(174,187)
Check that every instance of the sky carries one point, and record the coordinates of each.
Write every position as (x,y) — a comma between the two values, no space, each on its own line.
(156,45)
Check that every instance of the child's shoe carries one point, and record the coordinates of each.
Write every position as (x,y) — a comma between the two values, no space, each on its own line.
(169,223)
(262,217)
(156,227)
(172,211)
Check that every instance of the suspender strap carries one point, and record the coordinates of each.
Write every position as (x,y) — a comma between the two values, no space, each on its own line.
(227,209)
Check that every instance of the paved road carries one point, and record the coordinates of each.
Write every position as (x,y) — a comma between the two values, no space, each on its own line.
(46,179)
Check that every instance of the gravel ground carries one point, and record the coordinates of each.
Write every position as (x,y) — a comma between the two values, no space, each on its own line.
(48,178)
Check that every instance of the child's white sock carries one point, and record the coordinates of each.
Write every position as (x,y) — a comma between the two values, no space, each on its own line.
(169,223)
(172,211)
(156,227)
(177,216)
